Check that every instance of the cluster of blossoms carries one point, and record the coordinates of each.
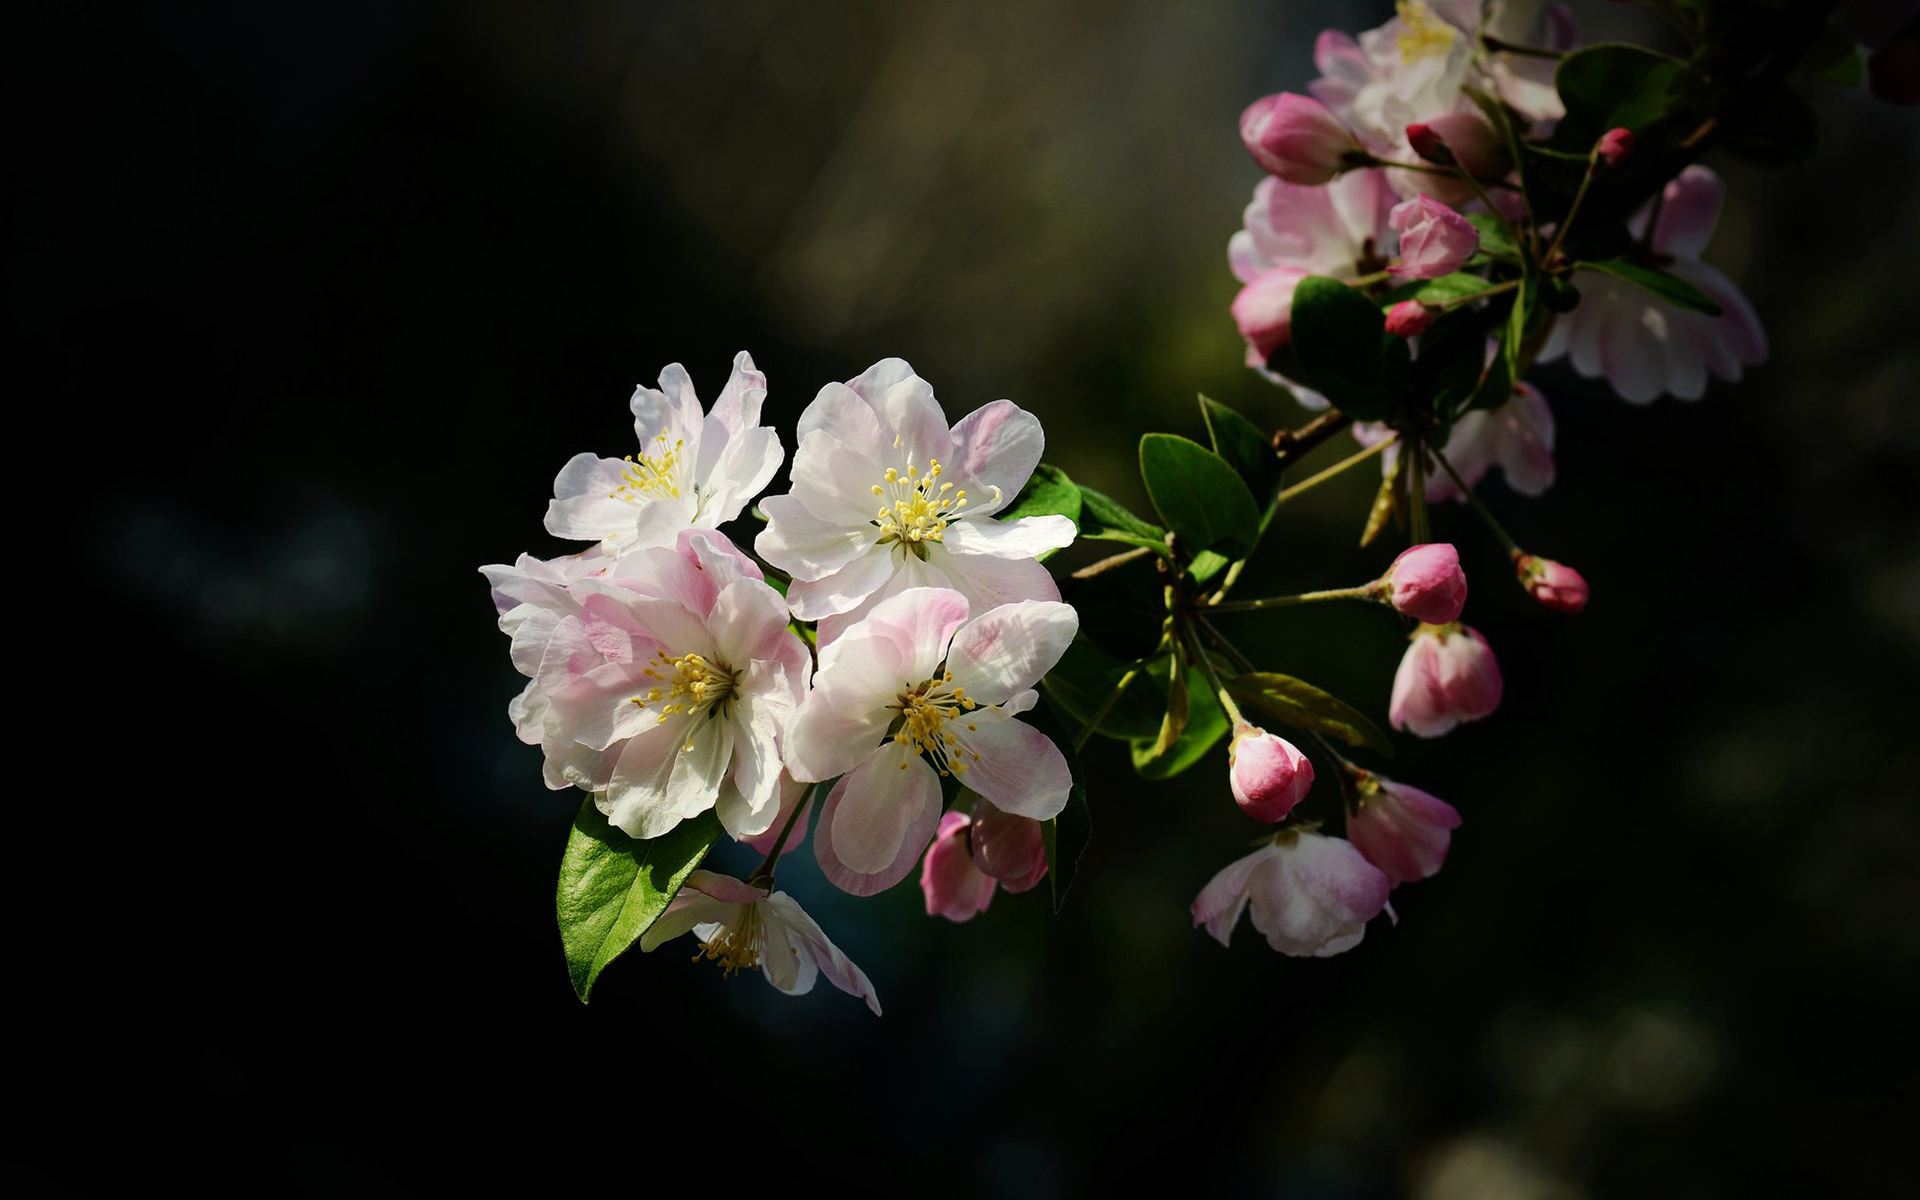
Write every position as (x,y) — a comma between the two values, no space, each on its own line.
(1461,194)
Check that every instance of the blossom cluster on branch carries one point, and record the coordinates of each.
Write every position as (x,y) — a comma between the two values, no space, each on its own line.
(887,666)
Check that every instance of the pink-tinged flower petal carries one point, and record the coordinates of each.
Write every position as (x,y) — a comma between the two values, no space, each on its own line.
(1689,213)
(1012,764)
(1469,674)
(1417,702)
(803,545)
(690,908)
(1007,649)
(635,801)
(908,407)
(749,801)
(1448,675)
(834,480)
(737,407)
(998,444)
(1525,441)
(748,621)
(724,888)
(792,791)
(1315,897)
(989,582)
(840,724)
(1555,585)
(1008,848)
(953,886)
(843,590)
(1434,239)
(744,467)
(1295,137)
(583,507)
(884,799)
(808,940)
(912,841)
(922,622)
(1402,830)
(1220,903)
(1025,538)
(845,417)
(673,410)
(1263,311)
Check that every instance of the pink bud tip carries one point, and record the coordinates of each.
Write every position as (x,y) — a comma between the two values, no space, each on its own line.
(1434,239)
(1556,585)
(1428,144)
(1408,318)
(1426,583)
(1614,147)
(1296,138)
(1268,774)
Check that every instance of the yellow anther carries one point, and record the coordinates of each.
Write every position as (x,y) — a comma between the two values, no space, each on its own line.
(698,685)
(1422,35)
(651,475)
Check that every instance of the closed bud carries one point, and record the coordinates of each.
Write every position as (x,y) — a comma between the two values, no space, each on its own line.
(1556,585)
(1010,848)
(1614,146)
(1268,774)
(954,887)
(1297,138)
(1426,583)
(1434,239)
(1429,145)
(1448,675)
(1408,318)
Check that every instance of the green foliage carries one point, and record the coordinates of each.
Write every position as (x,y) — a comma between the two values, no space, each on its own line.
(1299,704)
(1048,493)
(1084,680)
(1245,447)
(613,887)
(1615,85)
(1339,339)
(1671,288)
(1104,518)
(1448,289)
(1199,496)
(1205,722)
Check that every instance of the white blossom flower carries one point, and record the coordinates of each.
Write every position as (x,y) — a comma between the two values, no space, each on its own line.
(916,691)
(693,470)
(1311,895)
(743,927)
(666,692)
(886,498)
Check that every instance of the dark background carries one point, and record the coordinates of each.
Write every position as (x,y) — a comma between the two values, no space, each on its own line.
(321,296)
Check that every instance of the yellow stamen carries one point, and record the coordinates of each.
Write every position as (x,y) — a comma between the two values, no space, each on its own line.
(653,474)
(1422,35)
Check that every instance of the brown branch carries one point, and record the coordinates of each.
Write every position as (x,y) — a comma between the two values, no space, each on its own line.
(1290,445)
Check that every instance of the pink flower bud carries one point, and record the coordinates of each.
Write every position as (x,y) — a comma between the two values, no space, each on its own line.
(1264,312)
(1426,583)
(1614,146)
(1428,144)
(1011,849)
(1297,138)
(1400,829)
(1268,774)
(1448,675)
(1474,144)
(954,887)
(1556,585)
(1408,318)
(1434,239)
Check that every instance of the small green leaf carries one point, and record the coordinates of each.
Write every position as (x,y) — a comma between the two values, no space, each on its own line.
(1339,338)
(1295,702)
(1048,493)
(1495,241)
(1245,447)
(1516,334)
(1103,517)
(613,887)
(1206,723)
(1456,288)
(1671,288)
(1083,680)
(1613,85)
(1199,496)
(1065,836)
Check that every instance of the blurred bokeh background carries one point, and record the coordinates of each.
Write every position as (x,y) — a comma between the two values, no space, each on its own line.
(331,291)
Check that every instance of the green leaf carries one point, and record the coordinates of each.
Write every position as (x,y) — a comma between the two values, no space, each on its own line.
(1084,679)
(1048,493)
(1199,496)
(1516,334)
(1245,447)
(1103,517)
(1613,85)
(1339,338)
(1065,836)
(613,887)
(1299,704)
(1671,288)
(1448,289)
(1494,238)
(1206,723)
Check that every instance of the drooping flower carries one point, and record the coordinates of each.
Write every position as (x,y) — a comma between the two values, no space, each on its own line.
(1426,582)
(954,886)
(1554,584)
(1400,829)
(1296,138)
(1266,773)
(913,692)
(1009,847)
(1448,675)
(1311,895)
(677,674)
(1434,239)
(1291,232)
(744,927)
(694,469)
(1645,346)
(886,498)
(1517,437)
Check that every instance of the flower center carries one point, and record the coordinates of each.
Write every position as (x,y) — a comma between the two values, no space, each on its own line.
(652,474)
(924,712)
(1422,35)
(688,684)
(734,947)
(918,509)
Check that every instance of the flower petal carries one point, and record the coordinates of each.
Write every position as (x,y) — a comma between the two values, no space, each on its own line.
(1027,537)
(1007,649)
(1011,763)
(885,798)
(1220,903)
(867,883)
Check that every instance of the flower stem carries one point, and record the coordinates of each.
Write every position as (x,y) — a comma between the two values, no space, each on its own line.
(1205,660)
(1448,172)
(1500,47)
(1495,290)
(1363,592)
(766,868)
(1367,280)
(1513,548)
(1310,481)
(1107,564)
(1586,181)
(1106,706)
